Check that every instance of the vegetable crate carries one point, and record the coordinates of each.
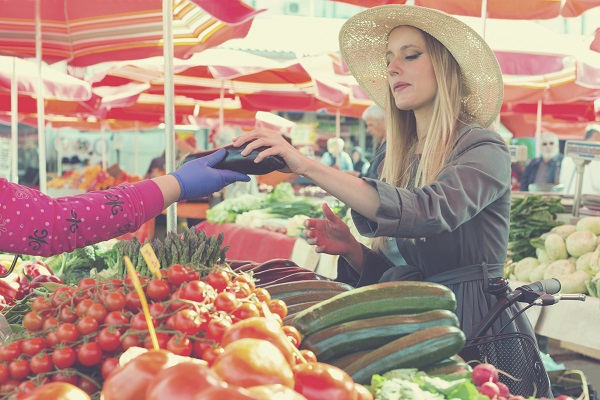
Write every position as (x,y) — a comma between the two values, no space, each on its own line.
(572,383)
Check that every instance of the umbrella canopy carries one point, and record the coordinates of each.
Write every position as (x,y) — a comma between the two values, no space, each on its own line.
(506,9)
(87,32)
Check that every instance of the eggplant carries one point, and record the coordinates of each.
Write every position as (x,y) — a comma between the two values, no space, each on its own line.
(234,160)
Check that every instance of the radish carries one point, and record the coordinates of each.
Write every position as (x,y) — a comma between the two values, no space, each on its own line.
(484,373)
(489,389)
(504,391)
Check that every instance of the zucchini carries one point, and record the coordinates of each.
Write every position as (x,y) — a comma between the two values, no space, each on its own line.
(298,307)
(448,366)
(343,361)
(314,297)
(372,333)
(287,289)
(415,350)
(377,300)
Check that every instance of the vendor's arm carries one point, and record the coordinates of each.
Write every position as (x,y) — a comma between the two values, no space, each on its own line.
(479,175)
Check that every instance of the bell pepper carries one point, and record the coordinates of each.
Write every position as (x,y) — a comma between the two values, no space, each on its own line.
(320,381)
(183,382)
(56,391)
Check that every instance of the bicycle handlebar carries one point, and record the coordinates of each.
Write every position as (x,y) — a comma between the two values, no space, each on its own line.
(548,286)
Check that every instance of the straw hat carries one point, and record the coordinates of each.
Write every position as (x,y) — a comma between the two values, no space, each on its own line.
(363,44)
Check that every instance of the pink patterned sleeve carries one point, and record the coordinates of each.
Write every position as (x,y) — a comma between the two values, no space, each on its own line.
(36,224)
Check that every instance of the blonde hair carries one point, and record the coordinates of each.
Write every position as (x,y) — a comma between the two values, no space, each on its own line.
(400,157)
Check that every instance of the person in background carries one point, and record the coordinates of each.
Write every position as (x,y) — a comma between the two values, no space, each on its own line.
(336,157)
(441,210)
(545,170)
(361,164)
(374,117)
(185,143)
(591,182)
(34,223)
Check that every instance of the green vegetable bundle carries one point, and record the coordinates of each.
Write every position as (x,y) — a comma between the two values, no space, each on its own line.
(530,217)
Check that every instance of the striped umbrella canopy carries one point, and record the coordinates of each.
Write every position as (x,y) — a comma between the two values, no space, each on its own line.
(87,32)
(506,9)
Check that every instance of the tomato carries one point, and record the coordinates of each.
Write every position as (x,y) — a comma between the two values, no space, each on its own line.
(114,301)
(260,328)
(263,295)
(26,386)
(180,345)
(182,381)
(241,290)
(158,311)
(193,290)
(188,321)
(216,328)
(162,339)
(9,387)
(130,381)
(33,322)
(9,352)
(67,314)
(33,346)
(251,362)
(133,302)
(130,341)
(87,284)
(245,311)
(97,311)
(158,290)
(138,322)
(109,339)
(323,381)
(89,354)
(87,325)
(245,279)
(3,374)
(219,280)
(67,333)
(82,307)
(64,357)
(56,391)
(211,353)
(61,296)
(41,363)
(177,274)
(200,345)
(226,301)
(292,334)
(88,386)
(108,366)
(52,339)
(67,376)
(308,356)
(42,305)
(278,307)
(269,392)
(117,319)
(18,369)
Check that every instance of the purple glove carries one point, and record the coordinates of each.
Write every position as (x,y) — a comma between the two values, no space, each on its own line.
(197,178)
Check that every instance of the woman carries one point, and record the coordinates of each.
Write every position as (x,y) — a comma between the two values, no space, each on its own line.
(36,224)
(361,164)
(441,211)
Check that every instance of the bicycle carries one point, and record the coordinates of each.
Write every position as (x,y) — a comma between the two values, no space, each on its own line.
(526,377)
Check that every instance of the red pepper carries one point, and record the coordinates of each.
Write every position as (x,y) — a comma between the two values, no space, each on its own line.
(320,381)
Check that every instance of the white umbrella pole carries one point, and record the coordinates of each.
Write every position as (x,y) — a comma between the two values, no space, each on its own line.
(338,129)
(136,148)
(103,138)
(538,129)
(14,122)
(40,99)
(222,106)
(483,16)
(169,104)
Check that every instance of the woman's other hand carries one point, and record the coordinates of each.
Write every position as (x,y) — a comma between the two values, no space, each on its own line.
(330,235)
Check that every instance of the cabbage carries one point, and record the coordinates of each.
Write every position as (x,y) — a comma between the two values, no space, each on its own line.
(559,268)
(564,230)
(542,256)
(524,267)
(538,273)
(555,247)
(574,282)
(581,242)
(589,224)
(583,262)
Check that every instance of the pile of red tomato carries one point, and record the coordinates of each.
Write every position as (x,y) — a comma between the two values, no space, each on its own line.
(76,335)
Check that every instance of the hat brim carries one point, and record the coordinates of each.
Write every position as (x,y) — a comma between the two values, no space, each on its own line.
(363,44)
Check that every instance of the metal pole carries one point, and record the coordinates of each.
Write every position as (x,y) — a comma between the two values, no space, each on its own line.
(169,89)
(136,148)
(222,106)
(538,129)
(14,123)
(40,99)
(483,16)
(103,137)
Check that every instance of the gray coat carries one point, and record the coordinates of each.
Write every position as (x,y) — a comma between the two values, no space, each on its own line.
(453,231)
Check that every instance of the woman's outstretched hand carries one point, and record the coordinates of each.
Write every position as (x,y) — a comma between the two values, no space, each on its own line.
(330,235)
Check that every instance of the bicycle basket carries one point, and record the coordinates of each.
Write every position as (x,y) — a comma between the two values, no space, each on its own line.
(517,355)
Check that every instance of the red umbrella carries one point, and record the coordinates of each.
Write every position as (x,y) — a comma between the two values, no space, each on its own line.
(87,32)
(506,9)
